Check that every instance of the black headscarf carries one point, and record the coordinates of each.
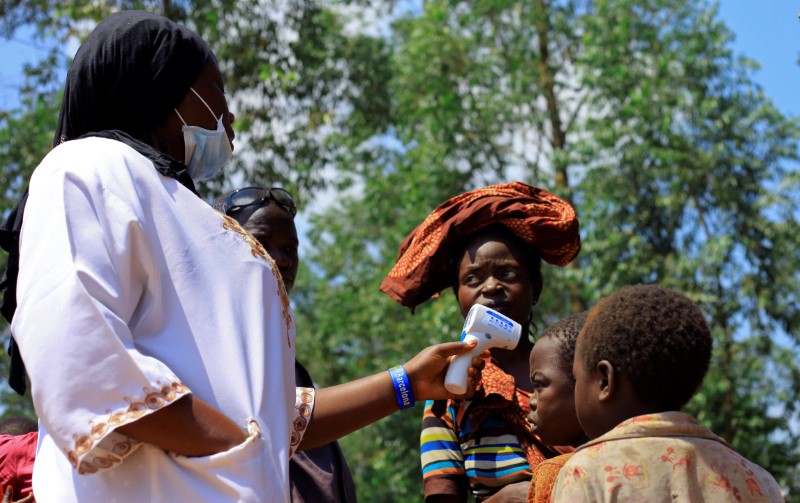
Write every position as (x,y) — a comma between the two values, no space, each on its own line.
(131,71)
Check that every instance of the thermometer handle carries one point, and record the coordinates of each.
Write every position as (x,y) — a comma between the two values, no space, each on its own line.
(455,381)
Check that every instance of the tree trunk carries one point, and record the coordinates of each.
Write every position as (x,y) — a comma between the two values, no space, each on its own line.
(559,135)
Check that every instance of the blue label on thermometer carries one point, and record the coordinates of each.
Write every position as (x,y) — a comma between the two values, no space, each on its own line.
(494,320)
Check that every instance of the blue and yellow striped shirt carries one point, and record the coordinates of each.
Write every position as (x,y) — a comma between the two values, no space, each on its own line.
(461,452)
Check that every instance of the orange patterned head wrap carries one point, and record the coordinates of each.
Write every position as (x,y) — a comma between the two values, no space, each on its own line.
(538,217)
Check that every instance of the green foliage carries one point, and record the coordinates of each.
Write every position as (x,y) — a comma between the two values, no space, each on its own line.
(26,132)
(12,404)
(26,135)
(688,173)
(306,95)
(681,170)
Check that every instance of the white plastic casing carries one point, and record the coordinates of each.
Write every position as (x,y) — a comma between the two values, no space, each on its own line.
(492,330)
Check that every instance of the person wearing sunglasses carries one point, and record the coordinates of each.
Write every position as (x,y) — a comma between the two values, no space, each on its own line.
(268,214)
(319,474)
(238,199)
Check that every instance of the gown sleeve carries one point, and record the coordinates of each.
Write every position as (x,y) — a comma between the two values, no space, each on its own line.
(85,263)
(303,407)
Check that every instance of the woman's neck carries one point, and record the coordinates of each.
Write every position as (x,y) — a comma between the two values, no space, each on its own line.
(516,362)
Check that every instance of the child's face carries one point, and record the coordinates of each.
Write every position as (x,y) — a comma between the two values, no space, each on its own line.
(552,401)
(496,275)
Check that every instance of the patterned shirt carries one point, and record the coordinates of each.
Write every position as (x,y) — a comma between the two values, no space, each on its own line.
(544,478)
(662,457)
(484,443)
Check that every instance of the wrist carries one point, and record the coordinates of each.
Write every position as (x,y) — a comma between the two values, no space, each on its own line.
(404,393)
(412,379)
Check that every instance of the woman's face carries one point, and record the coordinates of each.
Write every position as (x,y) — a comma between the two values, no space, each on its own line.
(552,402)
(274,228)
(495,273)
(169,137)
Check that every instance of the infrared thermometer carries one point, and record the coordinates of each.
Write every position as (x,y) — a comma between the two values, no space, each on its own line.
(492,330)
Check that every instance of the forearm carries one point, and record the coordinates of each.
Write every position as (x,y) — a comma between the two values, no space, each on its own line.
(189,427)
(512,493)
(342,409)
(450,488)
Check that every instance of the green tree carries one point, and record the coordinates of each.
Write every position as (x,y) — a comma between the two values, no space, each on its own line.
(696,194)
(681,170)
(26,133)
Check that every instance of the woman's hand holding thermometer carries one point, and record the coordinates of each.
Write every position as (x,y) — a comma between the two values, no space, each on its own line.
(492,330)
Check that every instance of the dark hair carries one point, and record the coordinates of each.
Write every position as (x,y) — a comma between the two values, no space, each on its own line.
(17,425)
(565,332)
(657,337)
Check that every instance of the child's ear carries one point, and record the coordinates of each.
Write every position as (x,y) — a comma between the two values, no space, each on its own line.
(608,380)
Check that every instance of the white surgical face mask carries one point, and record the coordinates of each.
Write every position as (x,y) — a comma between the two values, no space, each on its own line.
(206,151)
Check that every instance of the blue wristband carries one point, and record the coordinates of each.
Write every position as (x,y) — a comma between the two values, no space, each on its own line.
(402,387)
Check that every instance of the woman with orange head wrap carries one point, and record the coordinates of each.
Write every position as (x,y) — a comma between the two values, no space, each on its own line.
(487,245)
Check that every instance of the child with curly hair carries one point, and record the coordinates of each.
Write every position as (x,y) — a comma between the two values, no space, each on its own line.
(640,357)
(552,402)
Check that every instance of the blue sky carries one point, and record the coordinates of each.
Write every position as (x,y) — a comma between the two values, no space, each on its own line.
(767,31)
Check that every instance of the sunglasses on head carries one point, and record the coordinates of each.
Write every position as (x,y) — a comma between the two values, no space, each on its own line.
(250,196)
